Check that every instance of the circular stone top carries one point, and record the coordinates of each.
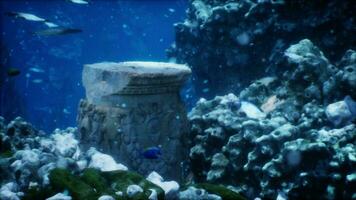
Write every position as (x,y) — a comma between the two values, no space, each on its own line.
(108,78)
(143,68)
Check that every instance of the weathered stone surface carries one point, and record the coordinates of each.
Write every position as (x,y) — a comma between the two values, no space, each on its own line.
(103,81)
(131,106)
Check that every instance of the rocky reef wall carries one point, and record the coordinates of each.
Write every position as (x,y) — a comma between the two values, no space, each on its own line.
(290,136)
(247,38)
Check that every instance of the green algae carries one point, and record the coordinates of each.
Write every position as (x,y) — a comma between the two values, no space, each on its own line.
(6,154)
(222,191)
(93,178)
(92,183)
(36,193)
(122,179)
(62,179)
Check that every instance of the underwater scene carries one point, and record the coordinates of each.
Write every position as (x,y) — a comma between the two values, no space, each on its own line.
(177,99)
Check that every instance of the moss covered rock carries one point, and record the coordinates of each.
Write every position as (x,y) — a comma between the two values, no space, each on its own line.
(92,184)
(36,193)
(120,180)
(62,179)
(6,154)
(222,191)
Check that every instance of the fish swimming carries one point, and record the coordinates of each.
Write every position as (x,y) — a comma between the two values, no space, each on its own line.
(25,16)
(66,111)
(79,1)
(13,71)
(50,24)
(152,153)
(57,31)
(37,70)
(31,17)
(37,81)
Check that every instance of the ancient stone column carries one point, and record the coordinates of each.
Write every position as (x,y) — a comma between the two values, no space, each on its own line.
(131,106)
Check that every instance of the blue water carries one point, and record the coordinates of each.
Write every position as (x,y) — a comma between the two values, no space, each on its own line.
(112,31)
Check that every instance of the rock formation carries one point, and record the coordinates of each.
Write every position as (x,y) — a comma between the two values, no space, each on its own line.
(301,148)
(247,38)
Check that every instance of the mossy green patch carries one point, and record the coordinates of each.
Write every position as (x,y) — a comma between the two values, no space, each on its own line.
(36,193)
(62,179)
(122,179)
(222,191)
(6,154)
(92,184)
(93,178)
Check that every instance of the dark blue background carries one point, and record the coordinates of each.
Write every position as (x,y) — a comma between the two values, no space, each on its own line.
(112,31)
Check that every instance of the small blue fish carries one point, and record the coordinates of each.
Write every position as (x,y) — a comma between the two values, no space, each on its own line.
(152,152)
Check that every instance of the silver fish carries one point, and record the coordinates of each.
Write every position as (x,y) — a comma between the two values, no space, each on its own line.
(57,31)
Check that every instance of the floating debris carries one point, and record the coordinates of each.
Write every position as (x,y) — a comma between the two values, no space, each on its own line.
(66,111)
(37,81)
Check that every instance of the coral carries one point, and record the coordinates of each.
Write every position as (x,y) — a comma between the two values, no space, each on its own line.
(54,167)
(230,37)
(198,194)
(275,155)
(10,191)
(43,165)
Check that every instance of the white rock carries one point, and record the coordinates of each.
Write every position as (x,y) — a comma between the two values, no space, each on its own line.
(47,145)
(153,195)
(281,196)
(251,110)
(66,145)
(25,159)
(82,164)
(9,191)
(167,186)
(197,194)
(43,172)
(103,162)
(325,135)
(133,190)
(338,113)
(229,98)
(60,196)
(32,184)
(119,193)
(302,51)
(106,197)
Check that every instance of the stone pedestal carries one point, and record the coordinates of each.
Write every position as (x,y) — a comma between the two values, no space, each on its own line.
(132,106)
